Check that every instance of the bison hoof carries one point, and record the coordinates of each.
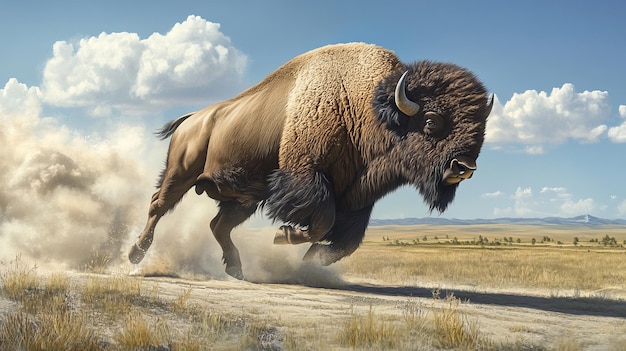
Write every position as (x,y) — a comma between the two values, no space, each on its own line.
(287,234)
(136,254)
(235,272)
(324,255)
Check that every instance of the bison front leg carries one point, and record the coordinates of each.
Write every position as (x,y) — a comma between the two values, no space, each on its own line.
(321,222)
(343,239)
(304,199)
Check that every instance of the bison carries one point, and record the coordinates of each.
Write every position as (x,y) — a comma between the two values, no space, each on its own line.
(318,141)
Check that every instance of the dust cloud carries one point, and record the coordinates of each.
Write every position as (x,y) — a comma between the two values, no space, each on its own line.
(76,201)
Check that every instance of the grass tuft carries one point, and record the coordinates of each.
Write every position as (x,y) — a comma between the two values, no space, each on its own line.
(452,329)
(137,333)
(369,331)
(18,279)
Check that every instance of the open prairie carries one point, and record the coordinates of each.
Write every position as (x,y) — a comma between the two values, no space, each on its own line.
(484,287)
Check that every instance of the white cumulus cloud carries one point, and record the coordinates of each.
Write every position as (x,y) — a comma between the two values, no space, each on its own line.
(495,194)
(548,201)
(618,134)
(570,208)
(536,118)
(17,99)
(522,193)
(194,62)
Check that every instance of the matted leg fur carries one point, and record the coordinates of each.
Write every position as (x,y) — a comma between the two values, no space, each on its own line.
(305,199)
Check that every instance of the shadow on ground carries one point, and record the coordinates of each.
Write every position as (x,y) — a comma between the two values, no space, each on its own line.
(591,306)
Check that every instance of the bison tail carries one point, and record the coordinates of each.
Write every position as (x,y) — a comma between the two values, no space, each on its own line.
(170,127)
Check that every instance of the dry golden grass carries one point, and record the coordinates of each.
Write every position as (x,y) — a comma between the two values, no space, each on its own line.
(369,331)
(54,315)
(453,330)
(18,279)
(138,333)
(587,266)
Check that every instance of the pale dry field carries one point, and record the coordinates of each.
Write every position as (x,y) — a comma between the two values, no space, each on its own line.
(398,291)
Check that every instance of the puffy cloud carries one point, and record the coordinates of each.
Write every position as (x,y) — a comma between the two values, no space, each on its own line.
(17,99)
(522,193)
(536,118)
(549,201)
(570,208)
(618,134)
(495,194)
(194,63)
(557,193)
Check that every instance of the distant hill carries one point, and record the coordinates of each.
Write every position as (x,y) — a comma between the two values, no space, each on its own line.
(583,220)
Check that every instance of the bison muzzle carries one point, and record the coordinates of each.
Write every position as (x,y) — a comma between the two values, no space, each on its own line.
(321,139)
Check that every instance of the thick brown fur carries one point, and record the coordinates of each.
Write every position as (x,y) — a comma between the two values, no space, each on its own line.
(321,139)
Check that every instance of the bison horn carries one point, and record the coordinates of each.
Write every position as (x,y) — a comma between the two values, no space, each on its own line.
(405,105)
(490,100)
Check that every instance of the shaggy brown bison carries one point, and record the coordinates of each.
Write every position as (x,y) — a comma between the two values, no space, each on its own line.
(318,141)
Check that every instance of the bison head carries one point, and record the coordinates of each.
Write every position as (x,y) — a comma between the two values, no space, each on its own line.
(436,113)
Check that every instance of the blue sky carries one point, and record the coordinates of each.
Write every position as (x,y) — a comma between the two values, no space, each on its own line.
(100,75)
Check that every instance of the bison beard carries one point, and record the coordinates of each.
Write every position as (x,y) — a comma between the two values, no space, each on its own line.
(319,141)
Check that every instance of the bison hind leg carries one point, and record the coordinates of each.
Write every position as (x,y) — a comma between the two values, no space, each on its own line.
(230,215)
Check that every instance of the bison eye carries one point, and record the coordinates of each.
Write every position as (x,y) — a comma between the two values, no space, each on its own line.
(433,123)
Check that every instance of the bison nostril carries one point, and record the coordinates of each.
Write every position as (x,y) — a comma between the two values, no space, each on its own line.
(462,169)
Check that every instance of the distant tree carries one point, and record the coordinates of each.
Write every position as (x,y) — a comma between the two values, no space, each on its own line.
(533,241)
(609,241)
(576,241)
(519,241)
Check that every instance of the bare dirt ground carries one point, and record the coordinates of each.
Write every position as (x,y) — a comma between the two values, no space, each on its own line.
(530,317)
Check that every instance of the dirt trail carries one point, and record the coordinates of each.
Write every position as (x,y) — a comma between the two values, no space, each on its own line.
(531,317)
(502,316)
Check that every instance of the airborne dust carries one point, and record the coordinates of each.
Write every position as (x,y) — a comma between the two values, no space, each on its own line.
(76,201)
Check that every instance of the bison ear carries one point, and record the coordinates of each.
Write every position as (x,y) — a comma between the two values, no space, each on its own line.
(385,109)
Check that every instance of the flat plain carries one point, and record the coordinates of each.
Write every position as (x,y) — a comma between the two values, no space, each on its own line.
(423,287)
